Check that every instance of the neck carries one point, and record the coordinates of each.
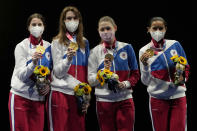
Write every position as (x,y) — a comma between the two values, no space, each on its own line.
(110,45)
(158,44)
(111,42)
(71,33)
(34,40)
(38,39)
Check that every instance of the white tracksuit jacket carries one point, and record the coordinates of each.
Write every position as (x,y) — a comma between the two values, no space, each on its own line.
(21,83)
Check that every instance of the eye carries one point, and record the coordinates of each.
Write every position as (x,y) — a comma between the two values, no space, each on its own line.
(154,28)
(39,24)
(102,29)
(108,28)
(33,24)
(105,28)
(75,18)
(68,18)
(160,28)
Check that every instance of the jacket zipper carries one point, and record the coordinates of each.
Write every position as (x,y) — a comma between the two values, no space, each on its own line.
(76,67)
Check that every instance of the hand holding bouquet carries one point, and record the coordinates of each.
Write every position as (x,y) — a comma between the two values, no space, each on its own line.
(106,76)
(180,63)
(83,95)
(42,83)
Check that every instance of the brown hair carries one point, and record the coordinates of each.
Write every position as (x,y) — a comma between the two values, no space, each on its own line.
(157,19)
(35,15)
(63,30)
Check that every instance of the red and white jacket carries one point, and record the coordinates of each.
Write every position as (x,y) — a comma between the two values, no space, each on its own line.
(159,74)
(124,64)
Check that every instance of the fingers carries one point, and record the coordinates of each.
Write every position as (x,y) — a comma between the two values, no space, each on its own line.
(107,66)
(121,85)
(45,90)
(85,107)
(181,78)
(70,53)
(107,63)
(36,56)
(144,58)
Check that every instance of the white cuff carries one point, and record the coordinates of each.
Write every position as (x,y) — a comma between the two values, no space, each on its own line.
(146,68)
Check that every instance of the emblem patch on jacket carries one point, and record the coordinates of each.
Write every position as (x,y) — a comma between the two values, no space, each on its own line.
(123,55)
(173,52)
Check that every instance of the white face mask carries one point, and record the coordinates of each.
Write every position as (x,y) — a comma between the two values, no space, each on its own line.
(36,31)
(72,25)
(157,35)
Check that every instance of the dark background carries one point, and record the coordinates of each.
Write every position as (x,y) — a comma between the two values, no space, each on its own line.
(131,18)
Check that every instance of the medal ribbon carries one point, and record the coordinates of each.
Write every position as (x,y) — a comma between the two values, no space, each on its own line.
(70,37)
(155,49)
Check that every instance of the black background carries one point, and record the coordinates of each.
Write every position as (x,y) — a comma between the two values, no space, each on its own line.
(131,18)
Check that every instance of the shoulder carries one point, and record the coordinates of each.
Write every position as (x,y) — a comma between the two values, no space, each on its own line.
(120,43)
(171,42)
(144,48)
(46,42)
(124,45)
(22,47)
(86,42)
(85,39)
(55,43)
(96,49)
(23,44)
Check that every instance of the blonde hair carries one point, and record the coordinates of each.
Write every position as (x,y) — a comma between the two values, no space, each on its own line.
(107,19)
(62,28)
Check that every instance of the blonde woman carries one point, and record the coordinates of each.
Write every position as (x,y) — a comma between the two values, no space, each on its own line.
(115,110)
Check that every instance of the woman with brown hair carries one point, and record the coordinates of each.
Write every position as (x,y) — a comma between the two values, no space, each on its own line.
(70,52)
(26,100)
(164,70)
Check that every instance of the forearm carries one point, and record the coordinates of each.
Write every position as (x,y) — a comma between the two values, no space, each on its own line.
(61,67)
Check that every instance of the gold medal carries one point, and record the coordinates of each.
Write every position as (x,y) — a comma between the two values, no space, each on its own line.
(40,49)
(151,52)
(73,46)
(109,56)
